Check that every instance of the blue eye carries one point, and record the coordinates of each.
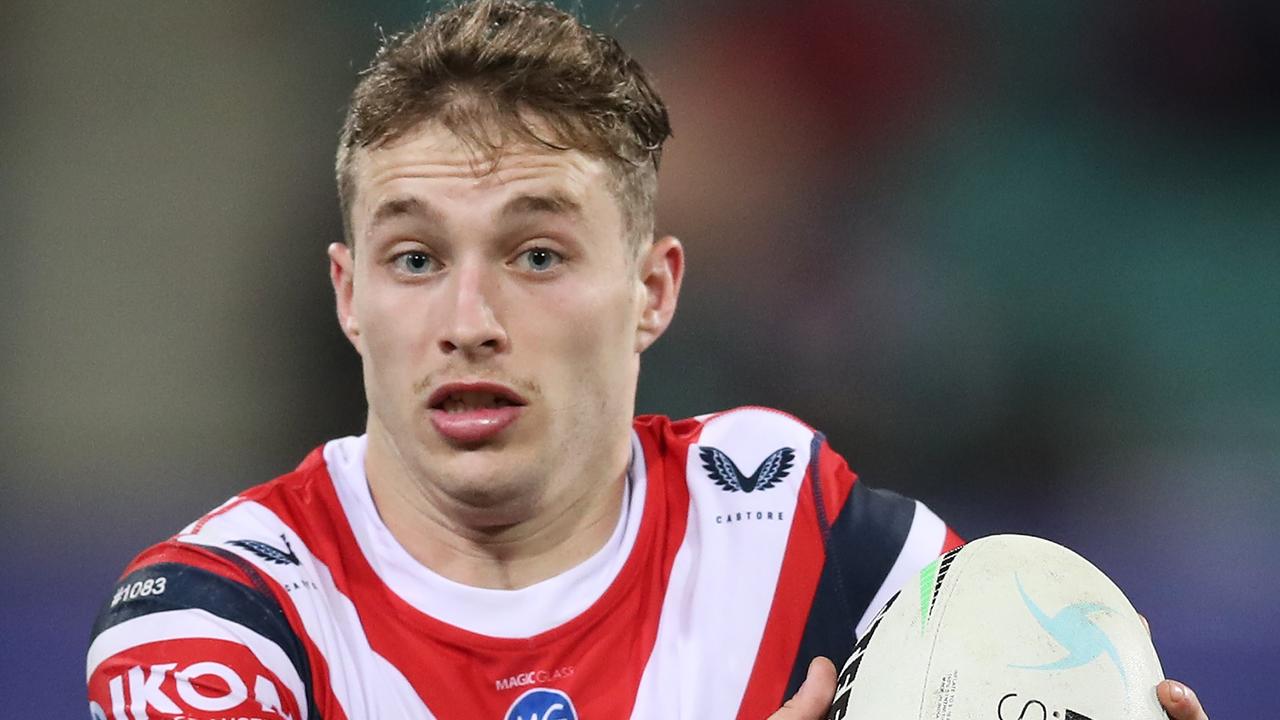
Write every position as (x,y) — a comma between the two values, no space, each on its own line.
(541,259)
(415,262)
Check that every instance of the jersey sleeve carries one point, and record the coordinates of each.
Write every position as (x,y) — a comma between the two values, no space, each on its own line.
(188,635)
(874,542)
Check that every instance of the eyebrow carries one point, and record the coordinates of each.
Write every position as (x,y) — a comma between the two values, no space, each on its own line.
(400,207)
(554,203)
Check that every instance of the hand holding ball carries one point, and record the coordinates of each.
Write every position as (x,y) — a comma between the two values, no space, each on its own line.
(1008,627)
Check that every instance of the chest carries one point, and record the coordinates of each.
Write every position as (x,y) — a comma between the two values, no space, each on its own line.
(680,635)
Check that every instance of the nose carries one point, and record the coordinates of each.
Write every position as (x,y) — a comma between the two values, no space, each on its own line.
(472,328)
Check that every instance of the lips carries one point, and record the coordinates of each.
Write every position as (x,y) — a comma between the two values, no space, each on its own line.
(471,413)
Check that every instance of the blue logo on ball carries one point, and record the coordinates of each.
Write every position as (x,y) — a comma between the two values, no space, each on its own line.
(1075,632)
(542,704)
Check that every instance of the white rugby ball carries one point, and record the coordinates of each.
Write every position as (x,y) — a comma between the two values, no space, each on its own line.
(1008,627)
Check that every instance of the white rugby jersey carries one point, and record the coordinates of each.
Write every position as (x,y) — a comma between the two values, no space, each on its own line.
(745,548)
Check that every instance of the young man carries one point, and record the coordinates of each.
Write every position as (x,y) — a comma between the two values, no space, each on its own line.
(507,540)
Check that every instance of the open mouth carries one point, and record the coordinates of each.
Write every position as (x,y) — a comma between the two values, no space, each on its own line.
(470,414)
(471,400)
(463,397)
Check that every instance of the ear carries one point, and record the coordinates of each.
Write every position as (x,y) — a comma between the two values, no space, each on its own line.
(342,275)
(661,271)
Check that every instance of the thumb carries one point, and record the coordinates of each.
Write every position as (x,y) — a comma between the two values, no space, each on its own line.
(813,699)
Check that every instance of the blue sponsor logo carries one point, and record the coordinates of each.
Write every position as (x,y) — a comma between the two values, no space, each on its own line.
(730,479)
(1072,628)
(542,704)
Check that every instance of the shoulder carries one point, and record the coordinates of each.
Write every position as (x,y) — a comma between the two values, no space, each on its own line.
(198,566)
(683,427)
(877,532)
(282,492)
(742,451)
(258,512)
(271,523)
(182,612)
(745,424)
(175,577)
(246,538)
(202,601)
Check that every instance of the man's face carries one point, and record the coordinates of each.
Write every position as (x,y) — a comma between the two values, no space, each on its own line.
(499,312)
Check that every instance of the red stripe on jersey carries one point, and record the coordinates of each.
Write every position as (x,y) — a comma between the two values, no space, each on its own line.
(188,678)
(461,674)
(797,584)
(187,554)
(837,481)
(951,541)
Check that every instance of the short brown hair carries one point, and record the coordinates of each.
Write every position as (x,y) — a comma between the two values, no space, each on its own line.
(488,70)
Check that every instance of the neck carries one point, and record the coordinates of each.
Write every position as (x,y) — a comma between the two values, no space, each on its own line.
(534,534)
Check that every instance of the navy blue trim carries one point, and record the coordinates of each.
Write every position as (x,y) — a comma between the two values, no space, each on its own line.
(828,547)
(249,569)
(861,547)
(191,588)
(815,451)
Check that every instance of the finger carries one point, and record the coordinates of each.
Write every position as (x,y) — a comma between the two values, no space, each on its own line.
(1145,624)
(1180,701)
(813,699)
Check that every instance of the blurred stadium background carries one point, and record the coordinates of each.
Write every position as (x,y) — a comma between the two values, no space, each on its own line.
(1016,258)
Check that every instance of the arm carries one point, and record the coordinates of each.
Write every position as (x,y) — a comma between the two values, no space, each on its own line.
(178,640)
